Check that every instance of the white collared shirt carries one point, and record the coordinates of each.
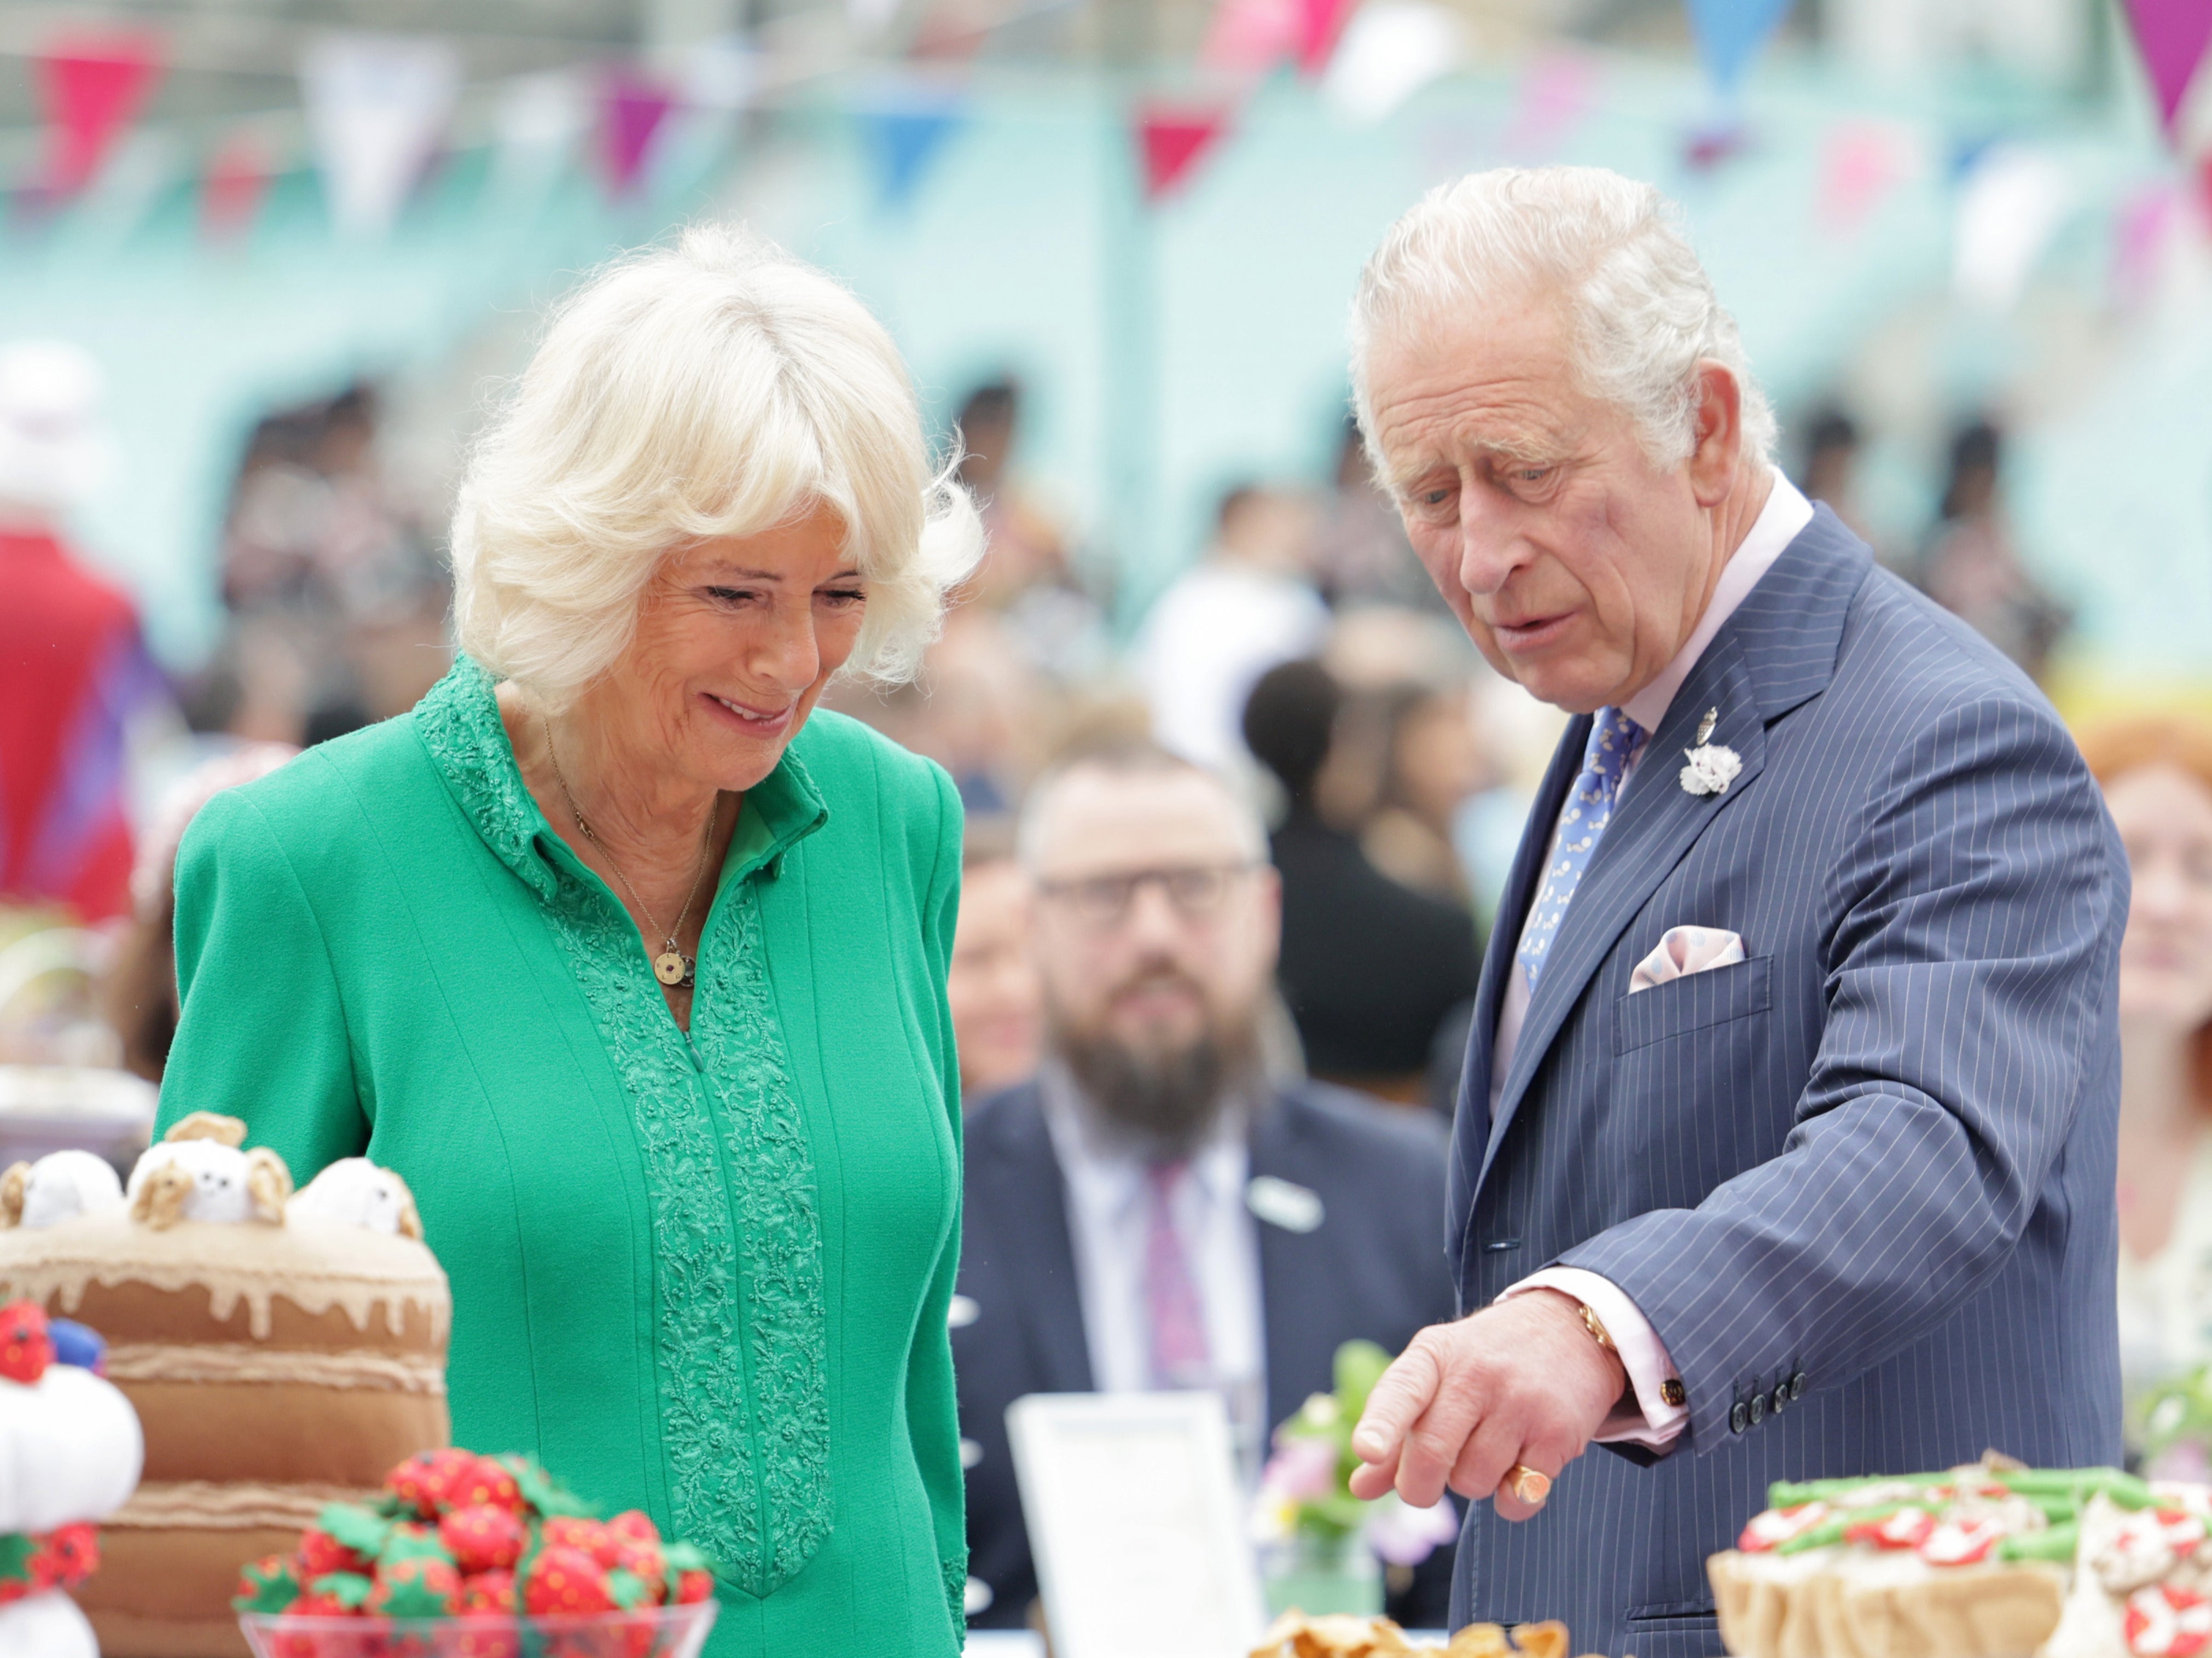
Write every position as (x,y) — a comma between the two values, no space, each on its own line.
(1644,1356)
(1107,1215)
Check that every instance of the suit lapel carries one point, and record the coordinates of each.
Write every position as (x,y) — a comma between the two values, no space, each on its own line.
(1657,823)
(1040,1257)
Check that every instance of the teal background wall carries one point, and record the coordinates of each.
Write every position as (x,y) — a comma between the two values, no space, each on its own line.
(1171,350)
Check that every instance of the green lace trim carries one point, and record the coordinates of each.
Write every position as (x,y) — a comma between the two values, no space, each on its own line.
(741,1327)
(955,1595)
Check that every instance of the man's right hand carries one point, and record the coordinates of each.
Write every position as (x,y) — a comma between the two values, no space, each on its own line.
(1521,1382)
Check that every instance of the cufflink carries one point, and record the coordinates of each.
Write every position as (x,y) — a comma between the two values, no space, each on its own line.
(1674,1392)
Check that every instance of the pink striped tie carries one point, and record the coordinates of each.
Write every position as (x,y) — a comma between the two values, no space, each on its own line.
(1180,1355)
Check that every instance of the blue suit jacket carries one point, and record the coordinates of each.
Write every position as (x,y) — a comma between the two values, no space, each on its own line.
(1860,1183)
(1371,1269)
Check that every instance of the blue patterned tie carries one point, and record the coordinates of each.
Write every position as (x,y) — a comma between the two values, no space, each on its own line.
(1614,739)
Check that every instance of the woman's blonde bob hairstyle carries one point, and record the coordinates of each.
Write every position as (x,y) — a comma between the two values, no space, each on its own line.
(719,387)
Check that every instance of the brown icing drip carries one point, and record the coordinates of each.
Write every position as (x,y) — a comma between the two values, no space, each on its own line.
(226,1361)
(314,1264)
(205,1505)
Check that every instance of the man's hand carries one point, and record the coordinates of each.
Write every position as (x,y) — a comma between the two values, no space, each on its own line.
(1521,1382)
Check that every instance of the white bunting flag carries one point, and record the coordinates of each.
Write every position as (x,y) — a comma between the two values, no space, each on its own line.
(376,108)
(1391,49)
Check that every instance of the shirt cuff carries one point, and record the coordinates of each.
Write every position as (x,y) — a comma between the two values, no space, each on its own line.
(1653,1422)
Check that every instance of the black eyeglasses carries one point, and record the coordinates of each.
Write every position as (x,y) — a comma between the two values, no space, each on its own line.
(1196,889)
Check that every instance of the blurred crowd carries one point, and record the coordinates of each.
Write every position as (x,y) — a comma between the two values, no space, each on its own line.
(1304,663)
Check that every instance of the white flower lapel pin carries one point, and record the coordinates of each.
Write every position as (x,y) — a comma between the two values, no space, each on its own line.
(1712,767)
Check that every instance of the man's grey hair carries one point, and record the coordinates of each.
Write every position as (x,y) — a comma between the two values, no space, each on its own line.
(1641,311)
(1132,757)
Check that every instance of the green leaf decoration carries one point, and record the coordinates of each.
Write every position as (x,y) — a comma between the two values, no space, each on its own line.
(626,1589)
(407,1592)
(681,1557)
(542,1490)
(353,1527)
(412,1543)
(16,1549)
(1359,1366)
(269,1586)
(348,1589)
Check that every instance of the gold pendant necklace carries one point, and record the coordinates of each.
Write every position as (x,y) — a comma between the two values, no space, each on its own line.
(672,966)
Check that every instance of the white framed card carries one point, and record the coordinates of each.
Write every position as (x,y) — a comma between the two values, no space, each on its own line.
(1137,1525)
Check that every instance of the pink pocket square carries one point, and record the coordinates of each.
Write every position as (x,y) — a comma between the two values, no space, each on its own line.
(1684,950)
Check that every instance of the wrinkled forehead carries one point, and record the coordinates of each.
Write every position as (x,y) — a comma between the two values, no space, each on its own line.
(1497,379)
(1091,821)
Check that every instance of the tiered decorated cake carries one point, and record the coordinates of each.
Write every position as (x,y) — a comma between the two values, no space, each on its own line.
(282,1350)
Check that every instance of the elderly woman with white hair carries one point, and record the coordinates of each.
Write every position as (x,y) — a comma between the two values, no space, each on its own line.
(632,963)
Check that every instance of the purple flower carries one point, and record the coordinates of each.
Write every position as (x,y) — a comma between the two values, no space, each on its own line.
(1401,1535)
(1300,1471)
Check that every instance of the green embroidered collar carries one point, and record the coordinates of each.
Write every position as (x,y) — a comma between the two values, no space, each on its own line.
(460,724)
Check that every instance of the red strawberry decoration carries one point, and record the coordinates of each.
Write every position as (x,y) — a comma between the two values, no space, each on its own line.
(588,1536)
(500,1640)
(426,1482)
(419,1587)
(68,1555)
(635,1523)
(485,1594)
(483,1537)
(566,1582)
(488,1480)
(694,1586)
(645,1562)
(25,1347)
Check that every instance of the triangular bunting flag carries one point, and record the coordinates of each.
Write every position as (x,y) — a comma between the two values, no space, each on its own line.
(903,130)
(91,86)
(1320,24)
(2173,35)
(631,110)
(377,106)
(1173,138)
(231,190)
(1729,34)
(1248,38)
(1391,50)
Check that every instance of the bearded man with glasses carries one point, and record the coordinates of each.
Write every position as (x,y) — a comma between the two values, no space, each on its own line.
(1154,1210)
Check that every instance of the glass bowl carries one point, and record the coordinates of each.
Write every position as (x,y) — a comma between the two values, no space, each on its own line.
(653,1632)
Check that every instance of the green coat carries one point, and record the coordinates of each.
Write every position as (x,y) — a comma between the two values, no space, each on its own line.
(707,1278)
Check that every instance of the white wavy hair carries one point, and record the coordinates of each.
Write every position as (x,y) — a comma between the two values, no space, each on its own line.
(719,387)
(1641,311)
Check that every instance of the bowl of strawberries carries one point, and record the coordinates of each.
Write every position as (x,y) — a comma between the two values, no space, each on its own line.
(463,1555)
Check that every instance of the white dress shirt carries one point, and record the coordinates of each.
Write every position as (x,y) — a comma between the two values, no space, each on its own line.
(1655,1422)
(1107,1214)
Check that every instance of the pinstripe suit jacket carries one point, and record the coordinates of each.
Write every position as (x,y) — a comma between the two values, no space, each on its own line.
(1862,1182)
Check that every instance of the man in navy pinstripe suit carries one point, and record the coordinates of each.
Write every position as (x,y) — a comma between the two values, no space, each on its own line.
(1785,1143)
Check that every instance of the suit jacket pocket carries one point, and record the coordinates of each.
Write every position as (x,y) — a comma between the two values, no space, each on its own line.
(1692,1002)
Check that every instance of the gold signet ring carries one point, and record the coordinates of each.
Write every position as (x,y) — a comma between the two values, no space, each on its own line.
(1530,1486)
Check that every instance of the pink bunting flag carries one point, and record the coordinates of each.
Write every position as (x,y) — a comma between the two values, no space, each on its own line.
(1173,138)
(1320,24)
(1557,91)
(91,86)
(1861,164)
(631,111)
(2173,35)
(2146,220)
(1248,38)
(237,179)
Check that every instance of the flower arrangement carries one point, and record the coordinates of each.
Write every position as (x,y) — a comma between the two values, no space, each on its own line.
(2170,1428)
(1305,1491)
